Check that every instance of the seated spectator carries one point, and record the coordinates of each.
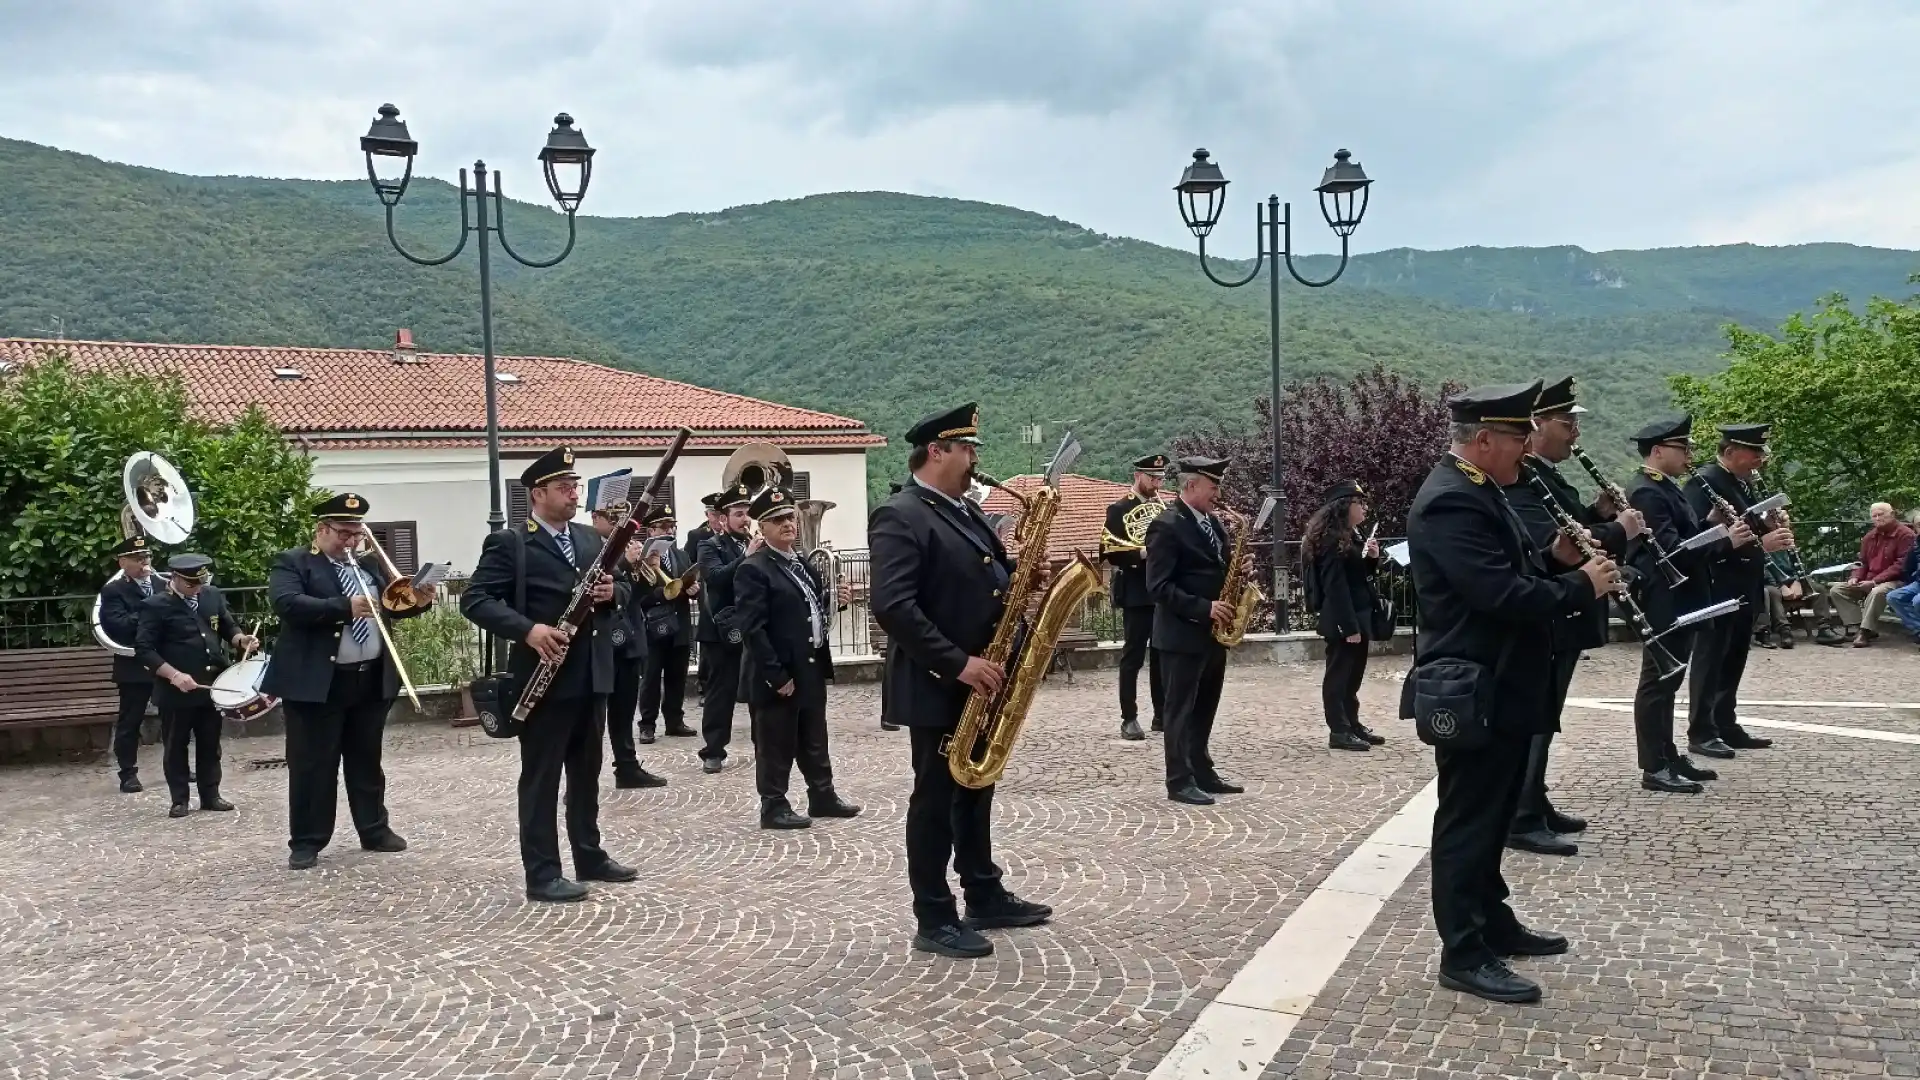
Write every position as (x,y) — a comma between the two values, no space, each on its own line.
(1905,600)
(1774,627)
(1883,560)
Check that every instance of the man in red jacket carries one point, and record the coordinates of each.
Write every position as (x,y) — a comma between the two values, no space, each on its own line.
(1883,555)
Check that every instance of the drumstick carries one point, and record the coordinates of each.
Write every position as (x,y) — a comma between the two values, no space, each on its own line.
(255,635)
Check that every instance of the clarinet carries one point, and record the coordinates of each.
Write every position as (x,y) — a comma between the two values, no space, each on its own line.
(1732,515)
(1798,568)
(1618,495)
(1577,535)
(580,607)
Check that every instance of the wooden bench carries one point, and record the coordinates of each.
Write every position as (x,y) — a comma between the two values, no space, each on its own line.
(42,688)
(1071,641)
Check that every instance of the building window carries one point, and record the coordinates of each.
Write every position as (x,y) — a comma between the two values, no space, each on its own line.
(401,541)
(802,486)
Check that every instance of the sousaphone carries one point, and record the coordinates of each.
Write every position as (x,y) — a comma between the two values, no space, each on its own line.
(756,466)
(159,506)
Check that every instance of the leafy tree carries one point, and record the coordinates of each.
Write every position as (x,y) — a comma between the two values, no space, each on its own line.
(65,435)
(1842,391)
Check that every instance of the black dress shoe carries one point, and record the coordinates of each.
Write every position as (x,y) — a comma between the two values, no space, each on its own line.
(1541,842)
(1493,980)
(712,764)
(1763,641)
(1190,795)
(214,802)
(1684,768)
(1783,639)
(610,871)
(1669,781)
(131,785)
(831,805)
(952,939)
(1369,734)
(639,779)
(1157,725)
(179,809)
(1564,823)
(1828,635)
(557,891)
(302,859)
(1712,748)
(1130,730)
(784,818)
(1742,740)
(644,735)
(681,731)
(1527,942)
(1005,912)
(1213,785)
(386,841)
(1347,740)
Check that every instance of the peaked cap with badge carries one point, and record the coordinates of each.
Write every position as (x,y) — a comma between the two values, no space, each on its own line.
(1672,429)
(555,464)
(1345,489)
(132,545)
(737,495)
(190,567)
(1151,463)
(954,425)
(714,501)
(658,514)
(1751,436)
(771,503)
(1499,403)
(345,506)
(1214,469)
(1557,398)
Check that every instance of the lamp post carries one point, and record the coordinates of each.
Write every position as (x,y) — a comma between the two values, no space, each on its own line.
(1202,195)
(567,161)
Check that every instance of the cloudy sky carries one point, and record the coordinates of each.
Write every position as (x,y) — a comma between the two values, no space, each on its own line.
(1603,123)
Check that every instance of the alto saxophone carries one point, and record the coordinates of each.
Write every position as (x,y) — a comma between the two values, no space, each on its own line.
(1244,595)
(990,723)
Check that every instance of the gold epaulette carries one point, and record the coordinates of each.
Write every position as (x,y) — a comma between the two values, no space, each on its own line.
(1653,474)
(1473,471)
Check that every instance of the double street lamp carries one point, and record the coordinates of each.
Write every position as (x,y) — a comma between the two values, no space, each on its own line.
(1202,195)
(567,161)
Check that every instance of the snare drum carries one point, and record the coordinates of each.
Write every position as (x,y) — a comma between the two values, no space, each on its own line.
(236,691)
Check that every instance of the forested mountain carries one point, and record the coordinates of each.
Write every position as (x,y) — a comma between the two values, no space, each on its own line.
(879,306)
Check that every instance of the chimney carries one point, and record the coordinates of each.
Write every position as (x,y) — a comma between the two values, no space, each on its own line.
(403,346)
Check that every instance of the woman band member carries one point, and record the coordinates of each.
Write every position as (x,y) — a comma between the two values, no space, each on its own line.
(1340,566)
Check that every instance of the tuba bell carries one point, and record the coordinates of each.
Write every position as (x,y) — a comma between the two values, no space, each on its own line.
(756,466)
(158,505)
(819,554)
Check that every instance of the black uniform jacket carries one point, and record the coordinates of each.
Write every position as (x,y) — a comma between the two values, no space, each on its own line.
(658,613)
(776,623)
(628,627)
(940,579)
(691,550)
(1185,575)
(314,614)
(120,601)
(1129,585)
(489,604)
(719,555)
(1486,594)
(1343,590)
(1738,572)
(192,641)
(1670,520)
(1586,628)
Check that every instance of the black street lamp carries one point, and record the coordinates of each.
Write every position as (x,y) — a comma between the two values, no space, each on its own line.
(567,161)
(1202,195)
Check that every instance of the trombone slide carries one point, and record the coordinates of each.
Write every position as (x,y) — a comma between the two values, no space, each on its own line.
(386,636)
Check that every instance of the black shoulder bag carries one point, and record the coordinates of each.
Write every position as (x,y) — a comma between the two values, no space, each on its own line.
(493,695)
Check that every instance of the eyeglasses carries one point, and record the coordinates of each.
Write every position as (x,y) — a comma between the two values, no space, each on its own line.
(565,487)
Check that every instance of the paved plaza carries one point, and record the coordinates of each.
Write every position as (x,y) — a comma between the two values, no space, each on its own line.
(1766,929)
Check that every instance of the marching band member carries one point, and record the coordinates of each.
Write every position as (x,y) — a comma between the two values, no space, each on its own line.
(1339,565)
(521,595)
(120,602)
(630,654)
(333,676)
(1187,553)
(784,615)
(183,639)
(720,555)
(704,630)
(666,615)
(1124,545)
(939,575)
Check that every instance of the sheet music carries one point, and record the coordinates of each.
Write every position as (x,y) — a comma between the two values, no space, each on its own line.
(1711,611)
(1834,569)
(1399,553)
(429,575)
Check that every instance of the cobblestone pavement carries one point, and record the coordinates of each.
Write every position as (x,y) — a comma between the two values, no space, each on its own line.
(1765,928)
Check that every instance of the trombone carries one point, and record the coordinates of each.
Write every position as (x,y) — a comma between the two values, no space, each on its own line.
(390,600)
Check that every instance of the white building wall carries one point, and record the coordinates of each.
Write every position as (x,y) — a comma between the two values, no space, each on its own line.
(445,490)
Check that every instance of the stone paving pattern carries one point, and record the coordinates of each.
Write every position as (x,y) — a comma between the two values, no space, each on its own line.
(1765,929)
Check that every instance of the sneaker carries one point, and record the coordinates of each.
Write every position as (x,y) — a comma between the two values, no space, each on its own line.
(952,939)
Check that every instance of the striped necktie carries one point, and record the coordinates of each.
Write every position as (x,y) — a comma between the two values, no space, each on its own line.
(348,577)
(193,603)
(146,586)
(565,539)
(1213,538)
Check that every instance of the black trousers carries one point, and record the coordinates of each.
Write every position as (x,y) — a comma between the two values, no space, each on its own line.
(627,674)
(199,722)
(1531,813)
(1479,789)
(789,731)
(338,737)
(946,822)
(716,705)
(1653,704)
(1138,622)
(1340,685)
(126,726)
(704,657)
(562,736)
(1719,660)
(1193,696)
(663,685)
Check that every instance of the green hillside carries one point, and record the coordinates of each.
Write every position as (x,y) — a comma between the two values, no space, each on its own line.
(879,306)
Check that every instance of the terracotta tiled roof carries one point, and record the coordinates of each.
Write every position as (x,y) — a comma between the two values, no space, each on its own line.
(322,393)
(1082,516)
